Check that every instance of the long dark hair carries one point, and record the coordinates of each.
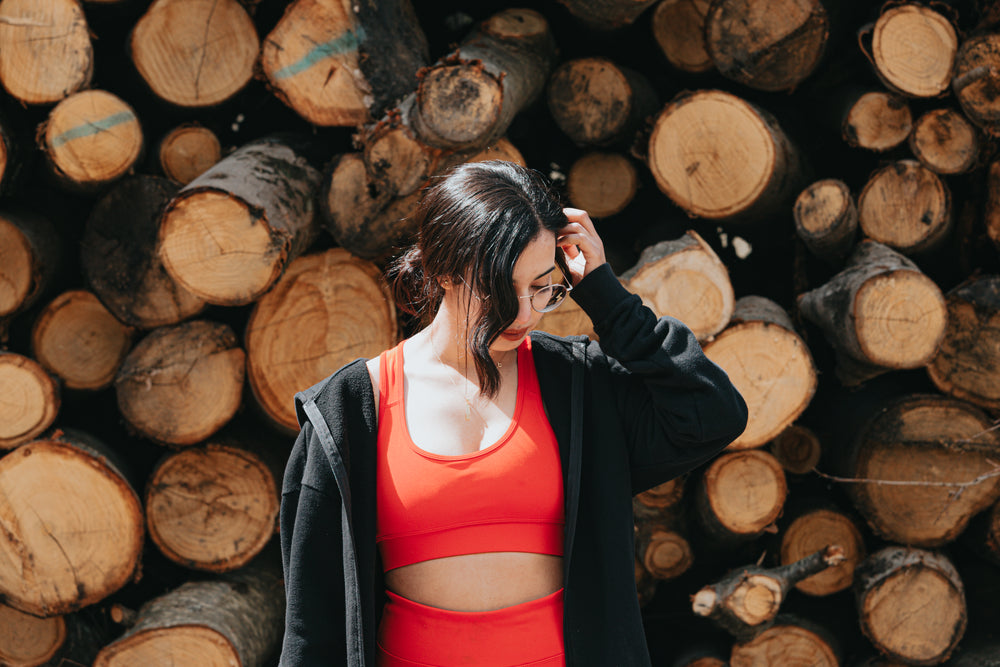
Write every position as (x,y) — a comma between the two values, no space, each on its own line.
(473,225)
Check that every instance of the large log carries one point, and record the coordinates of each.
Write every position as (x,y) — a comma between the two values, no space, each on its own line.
(913,49)
(30,253)
(679,29)
(826,219)
(790,642)
(29,399)
(740,494)
(811,526)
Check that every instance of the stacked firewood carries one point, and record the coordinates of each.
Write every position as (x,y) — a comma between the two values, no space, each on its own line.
(198,199)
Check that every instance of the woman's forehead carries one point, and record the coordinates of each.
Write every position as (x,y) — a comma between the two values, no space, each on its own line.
(537,258)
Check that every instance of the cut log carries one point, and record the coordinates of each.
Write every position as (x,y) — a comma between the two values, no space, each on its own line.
(119,259)
(769,364)
(328,309)
(907,207)
(913,49)
(80,341)
(684,278)
(29,257)
(502,149)
(606,14)
(797,449)
(47,53)
(921,468)
(665,553)
(180,384)
(945,142)
(826,219)
(877,120)
(596,102)
(569,319)
(350,201)
(227,236)
(339,63)
(188,151)
(90,139)
(469,99)
(194,53)
(602,184)
(814,527)
(706,656)
(94,521)
(894,582)
(790,643)
(719,157)
(679,29)
(991,214)
(880,313)
(396,159)
(29,641)
(29,399)
(983,534)
(967,363)
(977,73)
(233,620)
(765,44)
(659,501)
(741,494)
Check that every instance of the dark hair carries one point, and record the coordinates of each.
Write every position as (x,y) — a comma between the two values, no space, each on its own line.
(473,225)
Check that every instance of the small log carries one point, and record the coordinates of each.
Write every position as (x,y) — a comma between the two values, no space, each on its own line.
(597,102)
(29,399)
(343,64)
(350,201)
(180,384)
(606,14)
(913,49)
(881,312)
(119,259)
(47,52)
(945,142)
(602,184)
(877,120)
(74,548)
(502,149)
(679,29)
(30,252)
(991,212)
(765,44)
(977,75)
(894,582)
(78,340)
(684,278)
(569,319)
(660,501)
(792,642)
(194,53)
(814,527)
(329,309)
(740,494)
(797,449)
(396,159)
(747,600)
(769,364)
(719,157)
(983,534)
(907,207)
(29,641)
(188,151)
(227,235)
(702,656)
(826,219)
(967,363)
(665,552)
(90,139)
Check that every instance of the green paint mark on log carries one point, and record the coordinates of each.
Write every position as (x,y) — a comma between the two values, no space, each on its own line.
(92,127)
(347,42)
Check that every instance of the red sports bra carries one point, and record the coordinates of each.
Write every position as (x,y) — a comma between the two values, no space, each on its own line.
(507,497)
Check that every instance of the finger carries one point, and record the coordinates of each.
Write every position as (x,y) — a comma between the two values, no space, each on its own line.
(581,217)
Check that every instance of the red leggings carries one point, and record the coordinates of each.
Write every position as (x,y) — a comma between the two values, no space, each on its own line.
(415,635)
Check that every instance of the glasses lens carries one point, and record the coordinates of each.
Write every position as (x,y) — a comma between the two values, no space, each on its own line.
(548,298)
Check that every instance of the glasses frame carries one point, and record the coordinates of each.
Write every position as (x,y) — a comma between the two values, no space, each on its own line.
(566,290)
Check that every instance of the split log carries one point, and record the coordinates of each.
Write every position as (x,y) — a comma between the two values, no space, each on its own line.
(90,139)
(606,14)
(188,151)
(893,583)
(740,494)
(30,252)
(880,313)
(47,53)
(194,53)
(227,235)
(991,213)
(797,449)
(597,102)
(29,641)
(78,340)
(967,363)
(907,207)
(769,364)
(119,259)
(913,49)
(766,45)
(180,384)
(790,642)
(983,534)
(95,521)
(679,29)
(719,157)
(233,620)
(328,309)
(29,399)
(977,73)
(921,468)
(812,525)
(877,120)
(602,184)
(684,278)
(945,142)
(747,600)
(826,219)
(339,63)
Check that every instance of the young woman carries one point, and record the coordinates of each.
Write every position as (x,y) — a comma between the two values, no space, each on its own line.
(465,498)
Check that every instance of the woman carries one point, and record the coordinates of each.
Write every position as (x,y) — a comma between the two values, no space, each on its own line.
(465,498)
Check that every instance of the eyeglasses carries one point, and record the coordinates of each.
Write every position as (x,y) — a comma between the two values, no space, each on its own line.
(548,298)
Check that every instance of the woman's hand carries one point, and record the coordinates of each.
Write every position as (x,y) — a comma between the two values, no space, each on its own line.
(581,243)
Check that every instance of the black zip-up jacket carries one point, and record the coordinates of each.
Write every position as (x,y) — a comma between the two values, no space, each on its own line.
(641,407)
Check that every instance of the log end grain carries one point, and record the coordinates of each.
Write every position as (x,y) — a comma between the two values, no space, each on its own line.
(667,555)
(913,48)
(26,640)
(590,100)
(905,206)
(745,490)
(679,29)
(179,646)
(602,184)
(17,268)
(814,530)
(395,157)
(785,644)
(826,218)
(977,81)
(188,151)
(899,319)
(569,319)
(458,105)
(877,121)
(503,149)
(797,449)
(945,142)
(29,399)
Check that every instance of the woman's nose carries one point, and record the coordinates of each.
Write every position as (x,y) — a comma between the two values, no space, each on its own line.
(524,311)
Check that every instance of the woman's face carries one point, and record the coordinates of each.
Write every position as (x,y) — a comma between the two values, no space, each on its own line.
(534,269)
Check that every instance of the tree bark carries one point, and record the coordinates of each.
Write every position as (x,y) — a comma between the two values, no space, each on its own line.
(826,219)
(913,49)
(945,142)
(29,399)
(740,494)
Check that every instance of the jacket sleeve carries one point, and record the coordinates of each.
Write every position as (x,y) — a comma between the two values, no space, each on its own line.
(677,407)
(310,530)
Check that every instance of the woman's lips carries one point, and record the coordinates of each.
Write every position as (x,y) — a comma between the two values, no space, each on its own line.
(514,334)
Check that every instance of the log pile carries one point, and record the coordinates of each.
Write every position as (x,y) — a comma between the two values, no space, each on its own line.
(198,199)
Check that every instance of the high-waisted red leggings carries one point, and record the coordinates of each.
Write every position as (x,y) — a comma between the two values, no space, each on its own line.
(412,634)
